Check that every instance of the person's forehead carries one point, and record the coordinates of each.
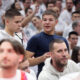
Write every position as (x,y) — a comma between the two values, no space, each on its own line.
(27,0)
(59,45)
(48,16)
(4,44)
(69,1)
(18,17)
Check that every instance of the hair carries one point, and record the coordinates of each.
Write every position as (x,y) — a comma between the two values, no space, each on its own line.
(53,42)
(75,2)
(38,17)
(52,2)
(75,52)
(73,32)
(26,10)
(11,13)
(75,24)
(15,44)
(50,12)
(76,12)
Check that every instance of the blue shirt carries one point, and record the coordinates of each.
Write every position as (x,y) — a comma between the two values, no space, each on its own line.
(39,44)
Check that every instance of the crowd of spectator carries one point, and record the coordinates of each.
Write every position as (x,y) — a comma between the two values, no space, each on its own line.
(48,31)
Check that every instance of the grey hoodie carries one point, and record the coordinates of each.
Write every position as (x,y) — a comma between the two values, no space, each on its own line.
(50,73)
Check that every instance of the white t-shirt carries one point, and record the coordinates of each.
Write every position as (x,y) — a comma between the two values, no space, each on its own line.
(18,76)
(5,35)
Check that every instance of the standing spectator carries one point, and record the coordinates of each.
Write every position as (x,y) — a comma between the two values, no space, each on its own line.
(41,6)
(38,45)
(66,14)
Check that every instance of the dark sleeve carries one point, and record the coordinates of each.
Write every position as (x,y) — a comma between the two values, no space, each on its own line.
(67,44)
(32,44)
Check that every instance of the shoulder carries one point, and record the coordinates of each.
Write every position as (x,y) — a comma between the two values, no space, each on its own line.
(30,77)
(70,76)
(73,66)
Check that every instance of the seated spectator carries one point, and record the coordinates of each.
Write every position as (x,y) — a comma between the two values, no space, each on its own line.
(73,40)
(75,16)
(76,54)
(59,63)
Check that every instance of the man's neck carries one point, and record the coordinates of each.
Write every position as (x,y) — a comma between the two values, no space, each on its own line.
(49,33)
(9,32)
(7,73)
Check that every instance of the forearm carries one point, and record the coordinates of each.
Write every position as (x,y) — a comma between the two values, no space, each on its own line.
(28,19)
(36,61)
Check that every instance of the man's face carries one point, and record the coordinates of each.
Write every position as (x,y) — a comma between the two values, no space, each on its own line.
(76,16)
(50,6)
(14,24)
(8,57)
(60,54)
(59,4)
(73,39)
(0,2)
(29,12)
(36,22)
(48,22)
(77,29)
(27,3)
(69,5)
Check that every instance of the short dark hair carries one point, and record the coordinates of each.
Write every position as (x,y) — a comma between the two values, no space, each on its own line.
(75,24)
(73,32)
(55,41)
(52,2)
(76,12)
(75,53)
(15,44)
(50,12)
(11,13)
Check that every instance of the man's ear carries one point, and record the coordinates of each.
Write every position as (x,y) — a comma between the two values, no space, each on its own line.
(21,58)
(50,54)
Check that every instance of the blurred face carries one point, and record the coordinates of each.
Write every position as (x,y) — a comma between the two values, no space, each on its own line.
(69,5)
(59,4)
(78,6)
(79,56)
(14,24)
(59,55)
(77,29)
(29,12)
(17,5)
(57,10)
(8,57)
(76,16)
(36,22)
(49,23)
(50,6)
(39,1)
(73,40)
(27,4)
(0,2)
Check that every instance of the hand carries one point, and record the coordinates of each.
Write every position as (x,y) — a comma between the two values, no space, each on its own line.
(46,55)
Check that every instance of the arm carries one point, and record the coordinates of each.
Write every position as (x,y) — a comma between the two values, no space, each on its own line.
(28,18)
(38,60)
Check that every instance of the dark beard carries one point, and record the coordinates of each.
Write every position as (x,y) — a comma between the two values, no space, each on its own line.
(69,10)
(60,65)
